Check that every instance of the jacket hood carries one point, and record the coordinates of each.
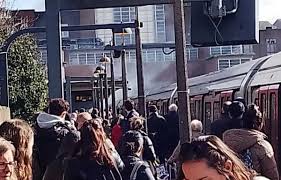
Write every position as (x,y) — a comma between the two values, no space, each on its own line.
(242,139)
(46,121)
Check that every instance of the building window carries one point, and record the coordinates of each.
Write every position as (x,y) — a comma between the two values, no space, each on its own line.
(64,34)
(160,29)
(225,50)
(227,63)
(192,53)
(271,46)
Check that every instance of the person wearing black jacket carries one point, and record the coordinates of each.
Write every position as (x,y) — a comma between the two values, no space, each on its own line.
(135,167)
(157,131)
(51,132)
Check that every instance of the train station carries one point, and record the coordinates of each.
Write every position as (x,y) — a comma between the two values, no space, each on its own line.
(140,90)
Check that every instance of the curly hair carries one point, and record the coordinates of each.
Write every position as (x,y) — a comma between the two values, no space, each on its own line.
(212,149)
(21,135)
(93,143)
(254,118)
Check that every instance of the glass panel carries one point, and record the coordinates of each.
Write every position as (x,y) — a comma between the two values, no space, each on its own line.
(215,51)
(223,64)
(226,49)
(217,110)
(263,103)
(91,58)
(193,111)
(193,53)
(73,59)
(237,49)
(244,60)
(234,62)
(208,116)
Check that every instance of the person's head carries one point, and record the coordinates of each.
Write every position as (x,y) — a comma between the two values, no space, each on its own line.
(207,157)
(153,109)
(58,107)
(173,108)
(129,105)
(196,126)
(95,113)
(225,107)
(93,143)
(242,100)
(132,143)
(82,118)
(7,161)
(81,110)
(253,118)
(236,110)
(136,123)
(21,135)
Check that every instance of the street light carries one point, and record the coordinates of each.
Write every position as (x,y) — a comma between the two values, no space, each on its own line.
(105,60)
(123,32)
(99,73)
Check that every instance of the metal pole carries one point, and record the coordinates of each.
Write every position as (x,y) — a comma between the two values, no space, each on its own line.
(68,92)
(106,92)
(54,49)
(182,75)
(4,88)
(140,79)
(93,92)
(113,86)
(124,76)
(97,95)
(101,97)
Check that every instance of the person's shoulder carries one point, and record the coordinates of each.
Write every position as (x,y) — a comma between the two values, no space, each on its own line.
(260,178)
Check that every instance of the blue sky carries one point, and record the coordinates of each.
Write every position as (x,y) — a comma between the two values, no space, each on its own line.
(268,9)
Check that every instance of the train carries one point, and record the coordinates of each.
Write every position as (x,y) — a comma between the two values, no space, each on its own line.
(257,81)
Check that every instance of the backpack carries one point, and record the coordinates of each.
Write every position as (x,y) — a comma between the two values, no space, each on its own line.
(136,167)
(246,157)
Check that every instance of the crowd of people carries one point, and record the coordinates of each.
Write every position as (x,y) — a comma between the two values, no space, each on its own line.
(84,146)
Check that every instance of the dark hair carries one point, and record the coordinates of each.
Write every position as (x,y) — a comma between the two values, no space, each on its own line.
(253,118)
(236,109)
(129,105)
(242,100)
(58,106)
(95,113)
(226,106)
(216,153)
(81,110)
(93,143)
(152,108)
(132,143)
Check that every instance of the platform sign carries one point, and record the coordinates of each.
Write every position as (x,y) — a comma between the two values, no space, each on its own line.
(239,26)
(93,4)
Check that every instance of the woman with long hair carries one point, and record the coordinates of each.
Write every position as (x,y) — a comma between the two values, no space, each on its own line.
(94,160)
(21,135)
(207,157)
(7,162)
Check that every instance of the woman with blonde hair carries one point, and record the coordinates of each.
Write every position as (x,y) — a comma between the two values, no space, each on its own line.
(7,162)
(21,135)
(207,157)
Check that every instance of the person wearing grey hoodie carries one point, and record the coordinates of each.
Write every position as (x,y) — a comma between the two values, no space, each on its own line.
(252,140)
(54,137)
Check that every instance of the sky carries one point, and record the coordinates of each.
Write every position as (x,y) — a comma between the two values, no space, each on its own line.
(269,10)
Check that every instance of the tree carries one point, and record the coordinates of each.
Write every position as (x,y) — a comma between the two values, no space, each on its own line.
(27,77)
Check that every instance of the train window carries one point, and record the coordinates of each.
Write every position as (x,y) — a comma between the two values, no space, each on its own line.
(208,117)
(217,110)
(192,110)
(263,103)
(272,106)
(197,109)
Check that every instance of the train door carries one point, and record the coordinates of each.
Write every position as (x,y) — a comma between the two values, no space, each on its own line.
(225,96)
(263,104)
(216,107)
(198,107)
(207,113)
(273,112)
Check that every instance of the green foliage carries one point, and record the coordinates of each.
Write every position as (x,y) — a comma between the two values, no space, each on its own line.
(27,79)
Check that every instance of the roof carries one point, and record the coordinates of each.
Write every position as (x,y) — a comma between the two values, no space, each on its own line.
(277,24)
(264,24)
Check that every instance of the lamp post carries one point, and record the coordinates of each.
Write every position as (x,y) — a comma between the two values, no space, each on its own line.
(99,72)
(123,32)
(105,60)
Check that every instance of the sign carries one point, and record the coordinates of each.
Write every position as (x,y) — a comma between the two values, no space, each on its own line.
(93,4)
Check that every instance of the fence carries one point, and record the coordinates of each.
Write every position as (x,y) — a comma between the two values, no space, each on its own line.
(4,113)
